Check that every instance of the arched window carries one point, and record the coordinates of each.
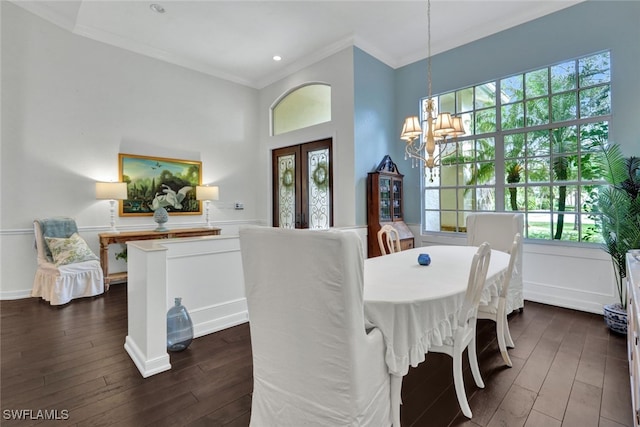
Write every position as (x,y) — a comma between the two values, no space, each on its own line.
(302,107)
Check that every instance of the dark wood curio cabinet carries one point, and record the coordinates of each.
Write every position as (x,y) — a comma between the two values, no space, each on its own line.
(384,205)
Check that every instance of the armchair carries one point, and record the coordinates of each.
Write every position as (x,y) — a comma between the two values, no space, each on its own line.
(67,268)
(313,361)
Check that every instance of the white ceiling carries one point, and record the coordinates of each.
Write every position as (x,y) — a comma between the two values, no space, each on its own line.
(236,40)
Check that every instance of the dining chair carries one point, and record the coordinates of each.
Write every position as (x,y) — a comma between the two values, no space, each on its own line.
(67,267)
(314,363)
(464,335)
(389,239)
(496,310)
(499,230)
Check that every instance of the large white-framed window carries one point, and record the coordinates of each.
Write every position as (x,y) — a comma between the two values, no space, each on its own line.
(529,146)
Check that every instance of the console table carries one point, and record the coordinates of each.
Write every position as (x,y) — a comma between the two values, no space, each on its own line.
(107,239)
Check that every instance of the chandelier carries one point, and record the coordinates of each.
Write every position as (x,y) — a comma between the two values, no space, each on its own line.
(434,130)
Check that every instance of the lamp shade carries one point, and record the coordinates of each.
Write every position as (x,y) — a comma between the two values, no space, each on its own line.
(458,127)
(444,125)
(111,190)
(411,129)
(204,192)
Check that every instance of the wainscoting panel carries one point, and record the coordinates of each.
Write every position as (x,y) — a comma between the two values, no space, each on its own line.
(564,275)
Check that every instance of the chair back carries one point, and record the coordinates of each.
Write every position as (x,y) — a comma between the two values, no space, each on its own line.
(304,293)
(477,278)
(499,229)
(389,239)
(514,252)
(51,227)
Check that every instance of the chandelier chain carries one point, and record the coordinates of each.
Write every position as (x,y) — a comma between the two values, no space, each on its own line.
(429,47)
(426,142)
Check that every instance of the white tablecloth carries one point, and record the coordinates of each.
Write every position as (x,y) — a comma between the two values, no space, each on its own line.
(415,306)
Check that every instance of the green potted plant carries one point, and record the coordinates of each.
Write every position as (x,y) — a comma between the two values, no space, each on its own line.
(619,206)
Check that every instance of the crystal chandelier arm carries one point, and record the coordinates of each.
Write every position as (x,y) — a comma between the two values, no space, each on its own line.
(414,154)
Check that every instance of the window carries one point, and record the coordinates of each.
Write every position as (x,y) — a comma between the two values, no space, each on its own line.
(529,147)
(304,106)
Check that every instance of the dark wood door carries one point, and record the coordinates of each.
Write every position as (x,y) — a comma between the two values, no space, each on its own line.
(303,185)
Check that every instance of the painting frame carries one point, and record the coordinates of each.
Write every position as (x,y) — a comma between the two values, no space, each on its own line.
(159,181)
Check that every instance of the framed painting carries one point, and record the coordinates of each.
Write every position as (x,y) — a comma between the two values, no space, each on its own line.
(154,182)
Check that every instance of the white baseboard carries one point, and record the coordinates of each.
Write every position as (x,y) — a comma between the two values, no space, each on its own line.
(147,367)
(20,294)
(216,325)
(214,318)
(590,302)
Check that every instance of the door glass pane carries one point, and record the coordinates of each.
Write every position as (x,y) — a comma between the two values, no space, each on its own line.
(319,196)
(287,190)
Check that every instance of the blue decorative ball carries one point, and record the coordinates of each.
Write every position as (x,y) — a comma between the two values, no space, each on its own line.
(424,259)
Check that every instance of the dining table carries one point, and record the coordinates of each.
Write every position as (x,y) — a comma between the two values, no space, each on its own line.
(415,306)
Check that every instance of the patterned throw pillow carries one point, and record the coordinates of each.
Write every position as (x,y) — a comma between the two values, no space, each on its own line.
(68,251)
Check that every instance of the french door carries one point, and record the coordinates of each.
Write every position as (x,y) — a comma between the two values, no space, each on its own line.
(303,185)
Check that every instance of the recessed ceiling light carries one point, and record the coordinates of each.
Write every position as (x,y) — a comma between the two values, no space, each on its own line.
(157,8)
(277,58)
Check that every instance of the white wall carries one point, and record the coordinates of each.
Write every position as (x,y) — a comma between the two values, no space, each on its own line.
(70,105)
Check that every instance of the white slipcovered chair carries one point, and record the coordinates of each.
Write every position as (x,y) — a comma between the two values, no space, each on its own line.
(464,337)
(314,364)
(389,239)
(499,229)
(67,268)
(497,308)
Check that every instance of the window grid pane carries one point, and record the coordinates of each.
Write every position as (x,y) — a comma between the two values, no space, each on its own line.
(530,142)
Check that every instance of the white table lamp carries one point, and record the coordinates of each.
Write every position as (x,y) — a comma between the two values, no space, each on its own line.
(111,191)
(207,193)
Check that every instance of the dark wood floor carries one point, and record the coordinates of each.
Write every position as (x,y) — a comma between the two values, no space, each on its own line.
(568,370)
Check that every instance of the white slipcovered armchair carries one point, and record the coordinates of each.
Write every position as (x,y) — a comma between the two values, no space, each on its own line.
(67,268)
(500,229)
(313,362)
